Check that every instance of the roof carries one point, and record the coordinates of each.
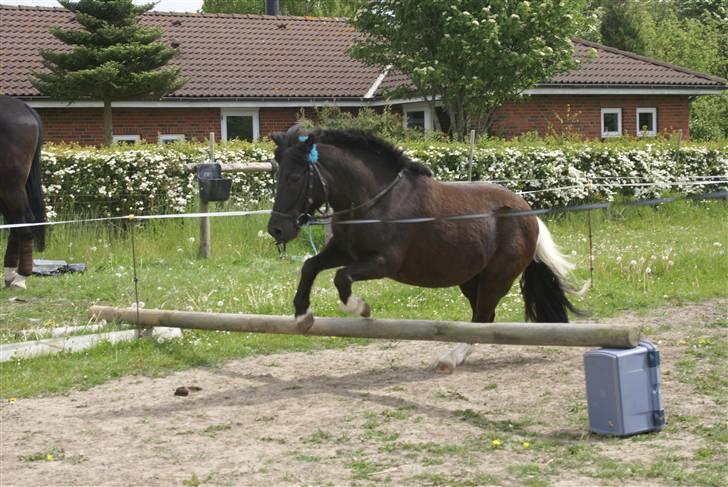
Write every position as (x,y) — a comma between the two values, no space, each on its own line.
(229,56)
(613,67)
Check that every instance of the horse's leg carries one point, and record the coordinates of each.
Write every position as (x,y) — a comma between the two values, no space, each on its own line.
(18,262)
(452,358)
(493,283)
(330,256)
(374,268)
(12,257)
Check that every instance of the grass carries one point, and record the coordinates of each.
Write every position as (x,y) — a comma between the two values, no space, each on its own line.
(643,258)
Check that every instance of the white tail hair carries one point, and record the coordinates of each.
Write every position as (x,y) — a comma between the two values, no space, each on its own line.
(549,254)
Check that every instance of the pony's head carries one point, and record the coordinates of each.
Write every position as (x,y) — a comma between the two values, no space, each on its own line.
(299,185)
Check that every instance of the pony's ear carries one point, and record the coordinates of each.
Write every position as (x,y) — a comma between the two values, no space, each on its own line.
(279,138)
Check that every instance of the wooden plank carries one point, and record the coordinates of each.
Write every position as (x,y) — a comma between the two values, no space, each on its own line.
(559,334)
(21,350)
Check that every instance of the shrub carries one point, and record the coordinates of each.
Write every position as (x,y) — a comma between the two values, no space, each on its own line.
(152,180)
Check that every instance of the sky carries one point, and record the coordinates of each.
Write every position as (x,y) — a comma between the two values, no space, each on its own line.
(162,5)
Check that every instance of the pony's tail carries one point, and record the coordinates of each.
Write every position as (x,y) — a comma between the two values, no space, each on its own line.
(546,281)
(34,190)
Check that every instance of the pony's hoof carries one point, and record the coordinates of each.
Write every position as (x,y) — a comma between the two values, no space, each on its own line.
(356,306)
(18,282)
(446,367)
(304,322)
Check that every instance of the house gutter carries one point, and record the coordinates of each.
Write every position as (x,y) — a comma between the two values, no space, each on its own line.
(368,100)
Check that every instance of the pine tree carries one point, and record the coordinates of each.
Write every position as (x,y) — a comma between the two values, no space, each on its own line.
(620,26)
(113,58)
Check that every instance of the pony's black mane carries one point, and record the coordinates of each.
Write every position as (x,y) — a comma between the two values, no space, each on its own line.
(367,141)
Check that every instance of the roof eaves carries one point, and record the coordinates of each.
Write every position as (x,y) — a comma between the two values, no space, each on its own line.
(656,62)
(641,86)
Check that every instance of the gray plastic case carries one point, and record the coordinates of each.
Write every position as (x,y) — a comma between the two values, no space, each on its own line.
(623,390)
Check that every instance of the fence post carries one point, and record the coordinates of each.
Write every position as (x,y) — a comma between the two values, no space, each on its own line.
(204,208)
(470,157)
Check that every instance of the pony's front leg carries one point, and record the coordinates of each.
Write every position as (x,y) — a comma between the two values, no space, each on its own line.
(374,268)
(330,256)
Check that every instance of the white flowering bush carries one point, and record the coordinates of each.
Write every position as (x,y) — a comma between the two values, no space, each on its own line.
(576,172)
(143,180)
(153,180)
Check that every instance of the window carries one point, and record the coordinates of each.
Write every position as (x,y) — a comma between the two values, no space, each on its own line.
(611,122)
(416,120)
(646,122)
(240,124)
(127,139)
(170,138)
(417,116)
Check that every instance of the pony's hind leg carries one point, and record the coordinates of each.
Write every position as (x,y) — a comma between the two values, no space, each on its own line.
(492,285)
(12,257)
(18,261)
(448,361)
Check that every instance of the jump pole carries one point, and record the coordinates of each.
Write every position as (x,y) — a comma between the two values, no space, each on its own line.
(552,334)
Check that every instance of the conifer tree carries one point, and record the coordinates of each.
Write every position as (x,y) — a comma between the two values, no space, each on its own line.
(620,26)
(112,58)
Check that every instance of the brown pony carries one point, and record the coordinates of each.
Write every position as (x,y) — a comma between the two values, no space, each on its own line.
(368,183)
(21,197)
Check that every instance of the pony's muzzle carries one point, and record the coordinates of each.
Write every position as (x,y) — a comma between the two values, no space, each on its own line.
(282,229)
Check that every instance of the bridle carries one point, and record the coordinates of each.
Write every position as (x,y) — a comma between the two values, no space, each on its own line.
(314,172)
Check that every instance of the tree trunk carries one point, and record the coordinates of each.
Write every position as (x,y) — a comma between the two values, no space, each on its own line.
(108,137)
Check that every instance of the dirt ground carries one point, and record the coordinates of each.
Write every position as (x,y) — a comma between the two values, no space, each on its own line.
(374,414)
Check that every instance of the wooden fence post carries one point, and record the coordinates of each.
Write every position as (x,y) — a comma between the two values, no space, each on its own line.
(204,208)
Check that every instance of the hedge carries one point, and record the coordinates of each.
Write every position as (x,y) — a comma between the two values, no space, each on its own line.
(152,179)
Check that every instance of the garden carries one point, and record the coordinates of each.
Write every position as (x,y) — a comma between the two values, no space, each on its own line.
(303,410)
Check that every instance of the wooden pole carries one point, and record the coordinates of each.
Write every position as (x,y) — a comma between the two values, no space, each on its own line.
(470,156)
(558,334)
(204,208)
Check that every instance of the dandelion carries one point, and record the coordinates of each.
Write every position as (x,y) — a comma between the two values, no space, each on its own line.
(632,263)
(525,444)
(50,457)
(191,239)
(495,443)
(717,244)
(648,271)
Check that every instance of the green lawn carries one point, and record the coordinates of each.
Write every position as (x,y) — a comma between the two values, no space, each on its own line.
(643,258)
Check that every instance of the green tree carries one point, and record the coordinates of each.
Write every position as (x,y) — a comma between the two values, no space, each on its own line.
(113,58)
(315,8)
(620,26)
(696,38)
(468,55)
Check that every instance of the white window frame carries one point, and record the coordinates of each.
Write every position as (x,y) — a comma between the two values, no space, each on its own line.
(165,138)
(136,139)
(649,133)
(225,113)
(418,107)
(606,111)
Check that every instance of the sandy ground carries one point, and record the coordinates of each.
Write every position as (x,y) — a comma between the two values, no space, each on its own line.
(332,417)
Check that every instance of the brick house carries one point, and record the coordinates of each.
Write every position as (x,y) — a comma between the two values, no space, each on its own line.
(251,75)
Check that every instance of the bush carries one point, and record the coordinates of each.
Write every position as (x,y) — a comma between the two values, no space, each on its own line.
(153,180)
(146,179)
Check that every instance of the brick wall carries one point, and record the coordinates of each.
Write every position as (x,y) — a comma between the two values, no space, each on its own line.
(86,125)
(579,114)
(582,114)
(281,119)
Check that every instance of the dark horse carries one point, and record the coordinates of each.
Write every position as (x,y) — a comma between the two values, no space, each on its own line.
(21,197)
(362,177)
